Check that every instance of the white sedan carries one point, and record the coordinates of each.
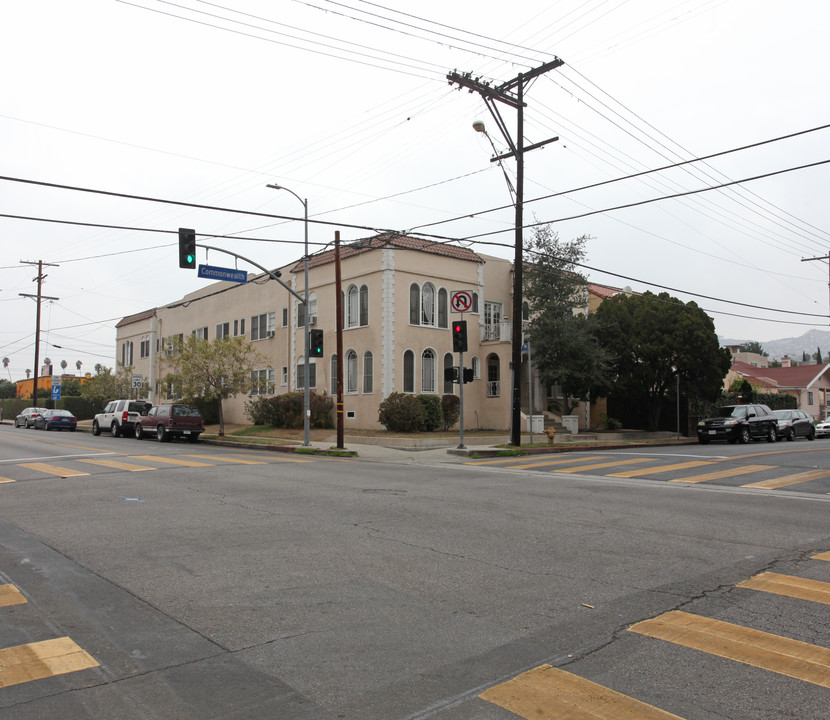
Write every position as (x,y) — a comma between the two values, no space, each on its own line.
(823,428)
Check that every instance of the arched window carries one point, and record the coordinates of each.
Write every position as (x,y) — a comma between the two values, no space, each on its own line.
(352,307)
(442,308)
(475,364)
(414,304)
(351,371)
(428,371)
(449,385)
(368,372)
(364,305)
(333,377)
(493,376)
(474,308)
(428,304)
(409,372)
(525,311)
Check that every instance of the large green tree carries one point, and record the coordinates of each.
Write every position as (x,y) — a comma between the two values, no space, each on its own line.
(107,385)
(655,338)
(216,369)
(563,340)
(753,346)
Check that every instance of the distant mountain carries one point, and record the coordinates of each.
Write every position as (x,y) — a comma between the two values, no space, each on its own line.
(809,342)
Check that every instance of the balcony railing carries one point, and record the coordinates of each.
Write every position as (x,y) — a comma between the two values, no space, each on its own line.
(497,331)
(494,388)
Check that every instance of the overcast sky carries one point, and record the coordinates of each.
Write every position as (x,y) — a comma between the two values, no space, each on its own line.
(347,103)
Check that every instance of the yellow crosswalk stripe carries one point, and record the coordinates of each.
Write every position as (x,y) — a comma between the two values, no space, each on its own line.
(38,660)
(789,586)
(116,464)
(782,655)
(5,480)
(170,460)
(53,469)
(529,459)
(821,556)
(228,459)
(596,466)
(717,475)
(529,464)
(662,468)
(789,480)
(548,693)
(10,595)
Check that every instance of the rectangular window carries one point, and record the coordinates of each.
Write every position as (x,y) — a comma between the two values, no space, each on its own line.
(492,321)
(285,317)
(200,333)
(368,372)
(284,376)
(238,327)
(145,348)
(262,382)
(809,398)
(223,330)
(312,373)
(263,326)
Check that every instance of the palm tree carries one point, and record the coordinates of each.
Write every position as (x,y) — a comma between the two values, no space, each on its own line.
(6,362)
(63,365)
(78,365)
(28,373)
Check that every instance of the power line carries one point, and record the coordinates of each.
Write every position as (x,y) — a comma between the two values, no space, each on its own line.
(650,200)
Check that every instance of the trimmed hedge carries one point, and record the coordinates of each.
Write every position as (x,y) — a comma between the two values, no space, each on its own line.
(286,410)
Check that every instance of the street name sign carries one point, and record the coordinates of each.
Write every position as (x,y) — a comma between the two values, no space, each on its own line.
(219,273)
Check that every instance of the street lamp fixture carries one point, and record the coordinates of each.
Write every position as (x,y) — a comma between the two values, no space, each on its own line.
(306,392)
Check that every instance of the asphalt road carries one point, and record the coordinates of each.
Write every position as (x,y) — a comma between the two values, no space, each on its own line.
(246,584)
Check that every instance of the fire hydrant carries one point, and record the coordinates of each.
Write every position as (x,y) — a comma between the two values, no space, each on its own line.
(551,433)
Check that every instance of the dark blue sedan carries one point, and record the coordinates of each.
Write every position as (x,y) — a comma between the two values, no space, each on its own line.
(56,420)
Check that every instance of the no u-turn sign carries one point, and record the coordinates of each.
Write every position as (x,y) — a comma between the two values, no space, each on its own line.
(461,300)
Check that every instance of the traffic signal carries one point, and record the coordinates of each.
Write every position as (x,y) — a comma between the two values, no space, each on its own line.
(315,343)
(187,248)
(468,375)
(451,374)
(459,336)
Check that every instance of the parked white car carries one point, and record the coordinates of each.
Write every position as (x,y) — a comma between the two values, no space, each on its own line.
(823,428)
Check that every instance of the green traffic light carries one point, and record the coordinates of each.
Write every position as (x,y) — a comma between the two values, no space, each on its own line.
(190,258)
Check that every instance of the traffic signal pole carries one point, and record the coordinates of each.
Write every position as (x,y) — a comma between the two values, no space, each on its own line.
(461,445)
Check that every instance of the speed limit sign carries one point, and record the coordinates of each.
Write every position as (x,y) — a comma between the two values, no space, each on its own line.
(461,300)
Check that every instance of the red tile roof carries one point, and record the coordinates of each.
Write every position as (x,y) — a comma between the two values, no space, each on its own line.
(801,376)
(384,240)
(603,291)
(129,319)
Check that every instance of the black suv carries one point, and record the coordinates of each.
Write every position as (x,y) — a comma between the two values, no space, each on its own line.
(739,423)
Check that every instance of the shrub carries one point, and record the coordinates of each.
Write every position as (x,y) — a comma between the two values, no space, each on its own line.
(433,417)
(609,423)
(451,409)
(401,413)
(287,410)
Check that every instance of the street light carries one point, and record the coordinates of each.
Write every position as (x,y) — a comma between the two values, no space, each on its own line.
(306,394)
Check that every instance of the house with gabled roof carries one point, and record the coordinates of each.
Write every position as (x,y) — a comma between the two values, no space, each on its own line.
(809,384)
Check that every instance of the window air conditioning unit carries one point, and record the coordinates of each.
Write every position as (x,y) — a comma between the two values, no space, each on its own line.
(312,319)
(269,334)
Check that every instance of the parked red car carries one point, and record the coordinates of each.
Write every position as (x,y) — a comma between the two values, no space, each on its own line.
(171,420)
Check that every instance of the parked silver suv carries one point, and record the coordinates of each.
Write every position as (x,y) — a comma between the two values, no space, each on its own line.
(120,417)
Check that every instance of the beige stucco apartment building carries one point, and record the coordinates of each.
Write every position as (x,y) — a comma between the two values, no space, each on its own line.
(396,329)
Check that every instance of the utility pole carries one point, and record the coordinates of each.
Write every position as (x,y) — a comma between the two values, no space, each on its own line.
(338,325)
(39,298)
(512,93)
